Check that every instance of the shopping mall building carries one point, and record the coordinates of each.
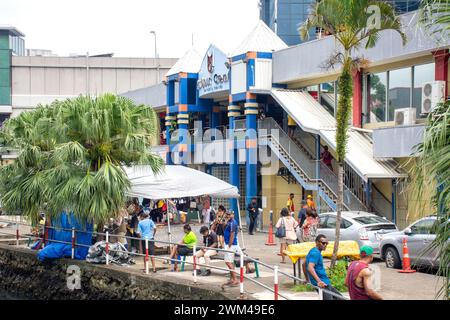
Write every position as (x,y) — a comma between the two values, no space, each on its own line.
(228,115)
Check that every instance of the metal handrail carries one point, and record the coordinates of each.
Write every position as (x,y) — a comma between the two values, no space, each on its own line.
(328,183)
(168,259)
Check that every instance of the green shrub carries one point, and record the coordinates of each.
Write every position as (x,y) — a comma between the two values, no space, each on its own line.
(337,275)
(303,288)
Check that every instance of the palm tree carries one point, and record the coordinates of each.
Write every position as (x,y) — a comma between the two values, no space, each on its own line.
(434,15)
(432,168)
(432,163)
(71,153)
(348,22)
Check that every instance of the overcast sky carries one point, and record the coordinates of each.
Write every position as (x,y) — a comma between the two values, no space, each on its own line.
(123,26)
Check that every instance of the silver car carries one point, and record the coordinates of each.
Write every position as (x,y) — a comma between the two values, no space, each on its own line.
(419,236)
(362,227)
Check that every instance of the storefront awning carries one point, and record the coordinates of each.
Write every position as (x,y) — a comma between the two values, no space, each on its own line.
(312,117)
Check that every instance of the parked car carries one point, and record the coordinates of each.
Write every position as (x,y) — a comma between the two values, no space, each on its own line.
(363,227)
(419,235)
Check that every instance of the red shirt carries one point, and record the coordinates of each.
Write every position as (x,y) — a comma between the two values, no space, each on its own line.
(356,293)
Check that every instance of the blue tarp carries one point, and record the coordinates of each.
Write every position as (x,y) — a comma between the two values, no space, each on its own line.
(54,250)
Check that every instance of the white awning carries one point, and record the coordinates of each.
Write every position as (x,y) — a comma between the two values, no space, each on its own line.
(176,182)
(312,117)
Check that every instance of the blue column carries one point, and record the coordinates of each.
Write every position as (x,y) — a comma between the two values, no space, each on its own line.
(214,116)
(183,137)
(169,119)
(233,111)
(251,150)
(394,201)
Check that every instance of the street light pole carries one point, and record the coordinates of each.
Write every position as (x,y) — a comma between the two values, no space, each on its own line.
(156,57)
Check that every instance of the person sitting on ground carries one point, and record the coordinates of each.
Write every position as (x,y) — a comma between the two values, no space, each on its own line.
(290,225)
(146,231)
(185,246)
(358,279)
(231,244)
(218,225)
(210,241)
(315,271)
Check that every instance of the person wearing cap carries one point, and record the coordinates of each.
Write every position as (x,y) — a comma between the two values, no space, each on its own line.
(310,203)
(358,279)
(146,231)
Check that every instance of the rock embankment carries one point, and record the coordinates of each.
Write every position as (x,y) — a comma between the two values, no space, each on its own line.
(22,274)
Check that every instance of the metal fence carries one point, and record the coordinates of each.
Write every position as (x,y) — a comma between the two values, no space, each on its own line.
(242,276)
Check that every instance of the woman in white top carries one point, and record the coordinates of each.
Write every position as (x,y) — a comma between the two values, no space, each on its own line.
(290,225)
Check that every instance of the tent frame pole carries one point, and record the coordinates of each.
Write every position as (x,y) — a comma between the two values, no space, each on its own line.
(169,234)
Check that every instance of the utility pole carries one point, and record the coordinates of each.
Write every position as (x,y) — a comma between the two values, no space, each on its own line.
(156,57)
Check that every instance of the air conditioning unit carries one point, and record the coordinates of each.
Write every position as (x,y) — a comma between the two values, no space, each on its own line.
(432,94)
(405,116)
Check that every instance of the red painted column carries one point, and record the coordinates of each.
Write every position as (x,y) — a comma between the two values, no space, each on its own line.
(357,99)
(441,66)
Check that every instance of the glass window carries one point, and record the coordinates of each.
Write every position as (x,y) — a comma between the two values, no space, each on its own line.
(399,90)
(370,219)
(377,98)
(423,73)
(331,223)
(423,226)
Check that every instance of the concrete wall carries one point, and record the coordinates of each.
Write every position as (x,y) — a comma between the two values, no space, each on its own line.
(304,62)
(22,275)
(44,79)
(277,190)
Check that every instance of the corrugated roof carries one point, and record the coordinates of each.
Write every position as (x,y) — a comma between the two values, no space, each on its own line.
(312,117)
(260,39)
(190,63)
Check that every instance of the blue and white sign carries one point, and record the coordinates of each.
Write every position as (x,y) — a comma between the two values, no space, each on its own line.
(213,76)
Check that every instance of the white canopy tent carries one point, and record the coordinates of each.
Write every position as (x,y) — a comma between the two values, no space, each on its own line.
(177,182)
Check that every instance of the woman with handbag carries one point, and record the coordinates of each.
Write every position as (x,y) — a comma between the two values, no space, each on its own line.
(286,226)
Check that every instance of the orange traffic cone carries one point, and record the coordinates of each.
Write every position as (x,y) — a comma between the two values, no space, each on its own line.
(270,241)
(406,260)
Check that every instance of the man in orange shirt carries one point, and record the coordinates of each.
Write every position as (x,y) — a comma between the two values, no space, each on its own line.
(310,203)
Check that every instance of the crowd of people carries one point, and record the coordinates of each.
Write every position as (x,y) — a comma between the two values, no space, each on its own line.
(220,229)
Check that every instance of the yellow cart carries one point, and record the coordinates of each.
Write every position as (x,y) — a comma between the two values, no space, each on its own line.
(299,251)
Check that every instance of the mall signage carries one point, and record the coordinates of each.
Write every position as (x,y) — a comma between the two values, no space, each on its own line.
(213,75)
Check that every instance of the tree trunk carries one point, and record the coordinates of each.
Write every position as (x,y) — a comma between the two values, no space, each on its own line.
(342,123)
(340,206)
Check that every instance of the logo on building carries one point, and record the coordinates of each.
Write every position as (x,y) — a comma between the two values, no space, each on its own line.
(210,62)
(213,74)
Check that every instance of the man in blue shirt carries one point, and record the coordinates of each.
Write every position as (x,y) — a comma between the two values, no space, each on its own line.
(315,271)
(146,230)
(230,236)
